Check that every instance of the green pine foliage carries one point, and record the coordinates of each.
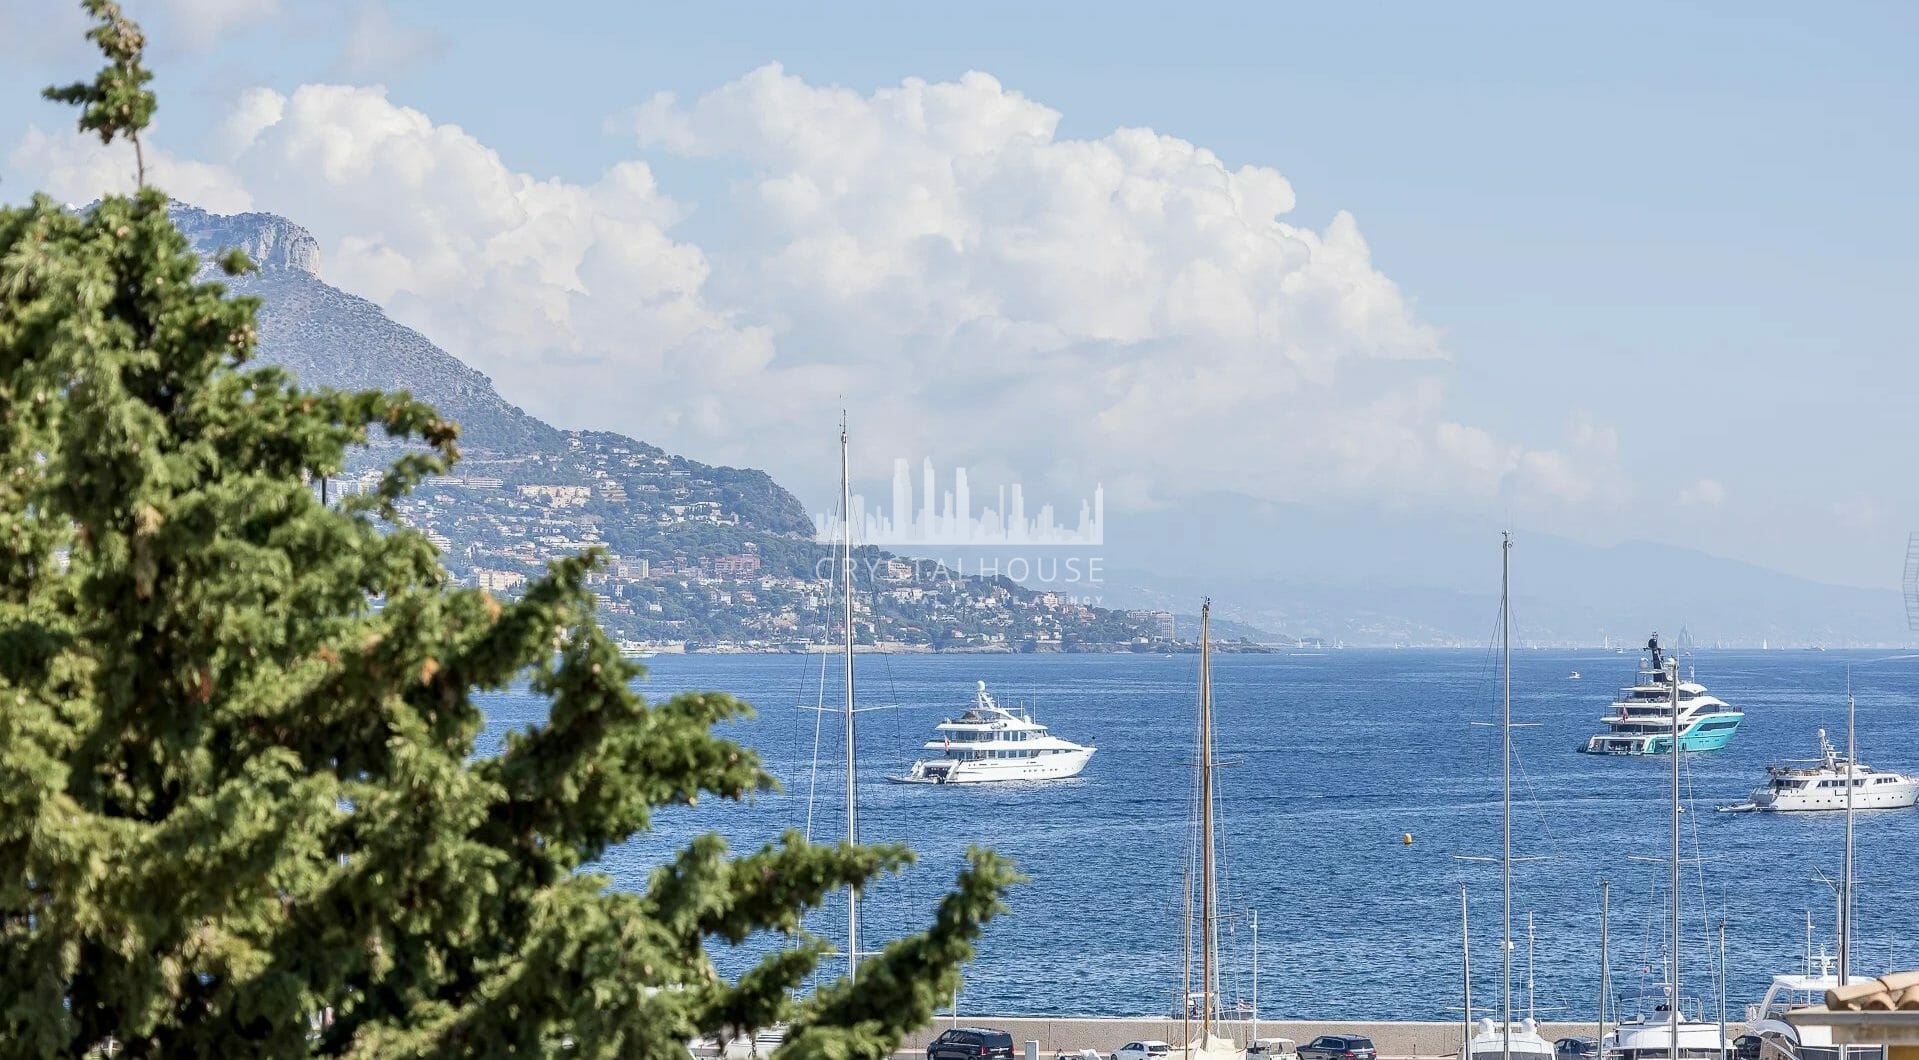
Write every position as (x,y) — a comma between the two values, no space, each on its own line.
(239,810)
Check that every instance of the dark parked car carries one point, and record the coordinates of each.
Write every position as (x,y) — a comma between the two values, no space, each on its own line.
(1339,1047)
(1576,1049)
(971,1043)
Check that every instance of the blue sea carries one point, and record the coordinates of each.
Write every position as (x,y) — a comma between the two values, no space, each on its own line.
(1328,761)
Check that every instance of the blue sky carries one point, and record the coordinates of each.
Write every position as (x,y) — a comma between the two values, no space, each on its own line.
(1662,253)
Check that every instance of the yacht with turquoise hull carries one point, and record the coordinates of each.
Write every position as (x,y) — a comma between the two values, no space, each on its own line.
(1641,722)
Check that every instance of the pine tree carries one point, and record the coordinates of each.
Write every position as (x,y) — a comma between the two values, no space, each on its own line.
(239,810)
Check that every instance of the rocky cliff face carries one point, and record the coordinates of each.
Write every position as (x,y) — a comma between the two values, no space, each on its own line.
(327,337)
(274,243)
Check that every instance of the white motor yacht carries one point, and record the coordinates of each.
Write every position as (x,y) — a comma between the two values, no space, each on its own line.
(1641,722)
(1820,784)
(990,742)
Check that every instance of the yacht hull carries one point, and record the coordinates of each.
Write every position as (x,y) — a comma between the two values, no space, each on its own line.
(1708,733)
(1895,795)
(1060,766)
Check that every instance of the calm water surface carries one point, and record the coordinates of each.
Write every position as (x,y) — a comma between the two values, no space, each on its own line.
(1331,758)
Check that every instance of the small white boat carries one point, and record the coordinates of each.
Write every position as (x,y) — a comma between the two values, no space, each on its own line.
(1822,785)
(991,743)
(1574,676)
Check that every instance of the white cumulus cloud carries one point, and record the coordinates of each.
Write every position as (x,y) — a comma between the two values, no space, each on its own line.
(1127,309)
(78,169)
(1098,306)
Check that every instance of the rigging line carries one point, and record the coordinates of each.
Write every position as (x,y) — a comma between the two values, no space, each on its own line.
(893,689)
(819,716)
(1532,794)
(1705,911)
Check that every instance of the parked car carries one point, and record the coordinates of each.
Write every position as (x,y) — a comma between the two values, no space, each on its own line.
(1272,1049)
(971,1043)
(1339,1047)
(1143,1051)
(1576,1049)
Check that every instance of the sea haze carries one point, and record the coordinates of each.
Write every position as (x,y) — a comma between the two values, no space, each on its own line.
(1328,760)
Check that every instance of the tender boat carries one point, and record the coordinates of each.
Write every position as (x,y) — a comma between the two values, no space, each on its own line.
(1642,719)
(1822,785)
(1574,676)
(990,743)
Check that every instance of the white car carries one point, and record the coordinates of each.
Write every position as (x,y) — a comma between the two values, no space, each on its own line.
(1273,1049)
(1143,1051)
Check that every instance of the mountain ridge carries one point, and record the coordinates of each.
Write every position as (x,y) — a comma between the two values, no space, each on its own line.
(701,554)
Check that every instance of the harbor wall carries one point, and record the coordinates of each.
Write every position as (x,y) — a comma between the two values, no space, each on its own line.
(1056,1034)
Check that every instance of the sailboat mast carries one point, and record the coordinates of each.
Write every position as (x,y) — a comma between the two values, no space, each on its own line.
(1605,968)
(1845,885)
(1506,785)
(1253,1036)
(1208,925)
(852,776)
(1466,971)
(1722,982)
(1672,671)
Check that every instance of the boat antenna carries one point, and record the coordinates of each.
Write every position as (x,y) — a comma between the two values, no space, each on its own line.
(1530,940)
(852,776)
(1808,942)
